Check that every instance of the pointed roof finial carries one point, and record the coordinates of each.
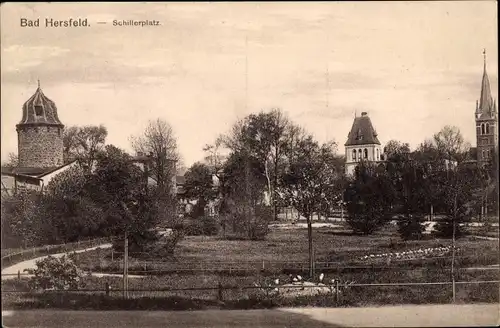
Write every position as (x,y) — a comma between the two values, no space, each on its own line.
(484,57)
(38,83)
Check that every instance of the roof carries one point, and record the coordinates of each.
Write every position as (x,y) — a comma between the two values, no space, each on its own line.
(362,132)
(38,172)
(39,110)
(487,105)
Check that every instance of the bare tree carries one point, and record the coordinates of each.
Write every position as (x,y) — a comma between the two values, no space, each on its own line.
(158,141)
(12,160)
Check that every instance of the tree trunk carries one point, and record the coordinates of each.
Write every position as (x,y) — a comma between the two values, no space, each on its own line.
(310,240)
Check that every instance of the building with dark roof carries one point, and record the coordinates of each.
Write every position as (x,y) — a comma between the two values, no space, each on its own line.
(40,146)
(362,143)
(486,116)
(40,133)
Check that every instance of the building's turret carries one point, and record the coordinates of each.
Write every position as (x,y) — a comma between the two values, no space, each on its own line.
(40,133)
(486,120)
(362,143)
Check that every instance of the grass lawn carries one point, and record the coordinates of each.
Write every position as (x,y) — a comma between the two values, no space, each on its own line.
(289,249)
(281,246)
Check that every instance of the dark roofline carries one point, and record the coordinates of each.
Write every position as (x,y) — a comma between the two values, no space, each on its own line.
(21,175)
(55,169)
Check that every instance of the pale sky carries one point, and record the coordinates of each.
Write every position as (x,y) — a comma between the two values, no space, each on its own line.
(413,66)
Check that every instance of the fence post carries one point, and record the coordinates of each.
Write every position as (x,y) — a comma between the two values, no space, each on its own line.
(220,292)
(112,254)
(18,274)
(337,292)
(263,265)
(106,287)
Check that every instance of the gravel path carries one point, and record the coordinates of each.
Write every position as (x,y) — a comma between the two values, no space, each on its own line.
(11,272)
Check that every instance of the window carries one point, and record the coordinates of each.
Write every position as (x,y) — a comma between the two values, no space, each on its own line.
(487,128)
(483,131)
(378,155)
(354,154)
(366,153)
(38,110)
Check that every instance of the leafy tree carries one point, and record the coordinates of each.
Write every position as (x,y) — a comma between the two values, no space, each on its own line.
(264,137)
(242,189)
(118,186)
(20,220)
(199,187)
(455,194)
(309,182)
(83,144)
(409,183)
(369,198)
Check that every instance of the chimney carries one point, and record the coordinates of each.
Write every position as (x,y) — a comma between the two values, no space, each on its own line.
(364,113)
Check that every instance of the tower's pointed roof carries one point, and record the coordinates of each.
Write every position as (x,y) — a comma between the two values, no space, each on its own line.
(362,132)
(486,104)
(39,110)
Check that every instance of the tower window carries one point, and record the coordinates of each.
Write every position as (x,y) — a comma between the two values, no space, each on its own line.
(38,110)
(487,128)
(354,154)
(366,153)
(483,129)
(378,154)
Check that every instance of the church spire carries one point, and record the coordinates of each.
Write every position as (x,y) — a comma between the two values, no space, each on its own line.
(486,101)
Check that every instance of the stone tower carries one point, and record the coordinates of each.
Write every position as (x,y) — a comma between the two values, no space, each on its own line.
(362,144)
(40,133)
(486,121)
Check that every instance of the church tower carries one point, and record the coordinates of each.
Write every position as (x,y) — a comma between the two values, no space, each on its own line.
(40,133)
(486,121)
(362,144)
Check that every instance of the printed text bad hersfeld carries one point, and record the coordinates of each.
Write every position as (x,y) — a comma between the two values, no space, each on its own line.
(50,22)
(82,22)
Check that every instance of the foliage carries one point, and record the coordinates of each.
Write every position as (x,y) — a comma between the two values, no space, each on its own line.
(369,198)
(311,181)
(201,226)
(456,199)
(56,273)
(409,182)
(83,144)
(21,220)
(199,187)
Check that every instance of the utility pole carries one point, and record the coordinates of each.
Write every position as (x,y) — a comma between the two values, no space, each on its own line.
(125,267)
(453,245)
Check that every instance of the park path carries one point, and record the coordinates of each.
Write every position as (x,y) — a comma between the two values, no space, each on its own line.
(11,272)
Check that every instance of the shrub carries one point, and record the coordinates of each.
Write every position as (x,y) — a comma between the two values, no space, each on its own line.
(201,226)
(410,228)
(56,273)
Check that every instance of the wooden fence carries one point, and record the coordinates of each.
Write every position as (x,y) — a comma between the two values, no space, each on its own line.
(27,254)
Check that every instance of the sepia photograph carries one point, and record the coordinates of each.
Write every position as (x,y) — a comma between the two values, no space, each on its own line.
(249,164)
